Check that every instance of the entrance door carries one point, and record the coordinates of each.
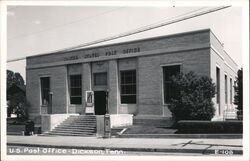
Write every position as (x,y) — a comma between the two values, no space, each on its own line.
(46,95)
(100,102)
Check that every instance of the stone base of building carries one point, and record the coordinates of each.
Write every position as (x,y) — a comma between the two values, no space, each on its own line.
(217,118)
(116,120)
(153,120)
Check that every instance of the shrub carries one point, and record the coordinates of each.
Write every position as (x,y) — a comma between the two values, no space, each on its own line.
(194,98)
(206,127)
(238,98)
(17,126)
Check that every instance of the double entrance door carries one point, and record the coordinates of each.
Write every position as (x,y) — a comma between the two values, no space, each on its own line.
(101,102)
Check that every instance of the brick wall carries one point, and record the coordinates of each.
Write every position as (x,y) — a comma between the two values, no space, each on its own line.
(58,86)
(113,87)
(150,76)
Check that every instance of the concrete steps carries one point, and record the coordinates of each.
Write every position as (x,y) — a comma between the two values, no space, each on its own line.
(76,126)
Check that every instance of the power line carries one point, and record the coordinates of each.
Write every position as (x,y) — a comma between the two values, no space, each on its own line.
(61,25)
(147,28)
(168,19)
(142,29)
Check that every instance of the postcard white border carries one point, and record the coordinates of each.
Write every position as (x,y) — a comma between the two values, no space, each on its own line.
(241,3)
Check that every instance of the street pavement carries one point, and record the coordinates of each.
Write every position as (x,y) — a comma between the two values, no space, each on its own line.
(132,145)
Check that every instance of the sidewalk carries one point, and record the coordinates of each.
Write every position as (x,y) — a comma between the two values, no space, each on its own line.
(167,145)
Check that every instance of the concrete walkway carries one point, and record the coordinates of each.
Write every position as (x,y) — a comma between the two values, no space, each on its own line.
(167,145)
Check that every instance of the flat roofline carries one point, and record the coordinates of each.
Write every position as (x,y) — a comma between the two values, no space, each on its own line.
(123,43)
(230,58)
(224,49)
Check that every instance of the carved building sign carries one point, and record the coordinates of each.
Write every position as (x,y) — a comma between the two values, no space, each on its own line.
(71,58)
(107,53)
(131,50)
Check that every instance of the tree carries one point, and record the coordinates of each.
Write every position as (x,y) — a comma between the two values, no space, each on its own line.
(238,97)
(17,104)
(15,94)
(193,100)
(14,78)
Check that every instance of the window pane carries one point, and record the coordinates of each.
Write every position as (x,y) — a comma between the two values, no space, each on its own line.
(128,86)
(77,83)
(129,79)
(75,89)
(45,89)
(231,92)
(76,100)
(169,91)
(226,89)
(218,85)
(100,79)
(123,89)
(133,89)
(129,99)
(76,92)
(122,78)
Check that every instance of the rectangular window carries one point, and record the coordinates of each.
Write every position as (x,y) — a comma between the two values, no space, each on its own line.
(169,91)
(75,89)
(128,87)
(235,84)
(231,91)
(100,79)
(218,85)
(225,89)
(45,89)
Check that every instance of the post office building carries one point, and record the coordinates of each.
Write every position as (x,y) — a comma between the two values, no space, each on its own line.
(128,78)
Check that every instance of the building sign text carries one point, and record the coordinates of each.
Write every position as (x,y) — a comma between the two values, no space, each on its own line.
(106,53)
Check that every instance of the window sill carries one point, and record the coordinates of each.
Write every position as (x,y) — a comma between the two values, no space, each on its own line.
(74,105)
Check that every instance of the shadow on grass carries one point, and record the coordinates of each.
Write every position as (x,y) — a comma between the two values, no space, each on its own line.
(139,129)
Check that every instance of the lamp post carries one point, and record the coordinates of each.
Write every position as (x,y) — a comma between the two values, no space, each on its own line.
(50,103)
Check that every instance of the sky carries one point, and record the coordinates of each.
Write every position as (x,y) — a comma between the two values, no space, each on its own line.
(33,30)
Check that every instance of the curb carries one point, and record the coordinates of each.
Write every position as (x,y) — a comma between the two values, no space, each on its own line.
(210,136)
(199,151)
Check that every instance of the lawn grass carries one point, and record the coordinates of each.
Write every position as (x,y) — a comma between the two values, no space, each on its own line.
(140,129)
